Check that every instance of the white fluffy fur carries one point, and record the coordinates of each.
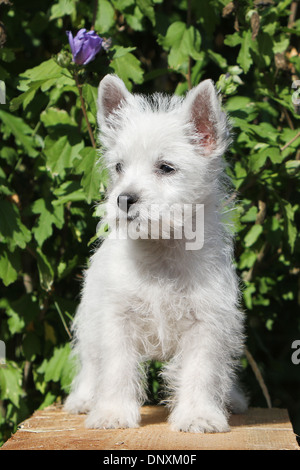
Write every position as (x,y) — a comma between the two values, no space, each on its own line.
(153,299)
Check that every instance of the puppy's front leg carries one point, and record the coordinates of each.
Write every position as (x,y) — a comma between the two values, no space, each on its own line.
(200,375)
(119,392)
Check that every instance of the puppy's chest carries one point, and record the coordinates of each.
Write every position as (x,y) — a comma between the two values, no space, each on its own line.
(165,303)
(161,316)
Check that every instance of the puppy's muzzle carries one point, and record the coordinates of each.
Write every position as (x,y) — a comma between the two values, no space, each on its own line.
(126,200)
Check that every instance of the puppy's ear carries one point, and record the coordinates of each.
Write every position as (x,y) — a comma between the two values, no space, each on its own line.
(210,122)
(112,94)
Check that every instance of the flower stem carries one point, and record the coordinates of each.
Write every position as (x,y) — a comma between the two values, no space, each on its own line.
(84,110)
(94,14)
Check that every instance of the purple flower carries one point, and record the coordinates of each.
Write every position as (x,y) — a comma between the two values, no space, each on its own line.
(84,46)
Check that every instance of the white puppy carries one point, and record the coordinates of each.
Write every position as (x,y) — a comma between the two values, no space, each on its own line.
(161,297)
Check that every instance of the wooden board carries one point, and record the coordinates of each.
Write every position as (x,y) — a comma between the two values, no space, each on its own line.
(54,429)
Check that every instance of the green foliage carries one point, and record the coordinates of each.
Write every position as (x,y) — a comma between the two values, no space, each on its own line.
(50,178)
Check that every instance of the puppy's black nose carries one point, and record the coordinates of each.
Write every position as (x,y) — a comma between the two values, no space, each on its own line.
(125,200)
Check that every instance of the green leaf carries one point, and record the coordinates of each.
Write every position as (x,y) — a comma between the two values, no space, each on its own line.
(65,267)
(26,97)
(218,59)
(239,103)
(155,74)
(62,8)
(250,215)
(253,235)
(274,154)
(12,231)
(127,66)
(292,167)
(266,131)
(240,174)
(259,158)
(289,223)
(69,191)
(15,322)
(45,71)
(60,154)
(46,75)
(122,5)
(90,95)
(92,174)
(105,18)
(263,50)
(46,273)
(60,367)
(4,186)
(120,51)
(281,6)
(50,398)
(134,20)
(281,46)
(233,40)
(270,28)
(52,117)
(11,383)
(20,312)
(257,161)
(9,155)
(7,55)
(49,215)
(21,131)
(182,42)
(247,295)
(147,9)
(9,267)
(244,58)
(247,259)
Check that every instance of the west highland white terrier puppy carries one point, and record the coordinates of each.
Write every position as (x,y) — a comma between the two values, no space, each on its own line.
(155,290)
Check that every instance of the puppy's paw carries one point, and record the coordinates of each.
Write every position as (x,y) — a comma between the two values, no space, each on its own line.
(206,422)
(112,418)
(76,405)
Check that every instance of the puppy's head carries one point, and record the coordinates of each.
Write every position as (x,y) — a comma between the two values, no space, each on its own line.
(160,151)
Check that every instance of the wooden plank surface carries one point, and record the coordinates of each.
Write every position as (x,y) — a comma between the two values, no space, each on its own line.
(54,429)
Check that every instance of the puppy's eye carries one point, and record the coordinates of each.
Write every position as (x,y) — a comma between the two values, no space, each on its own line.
(119,167)
(165,168)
